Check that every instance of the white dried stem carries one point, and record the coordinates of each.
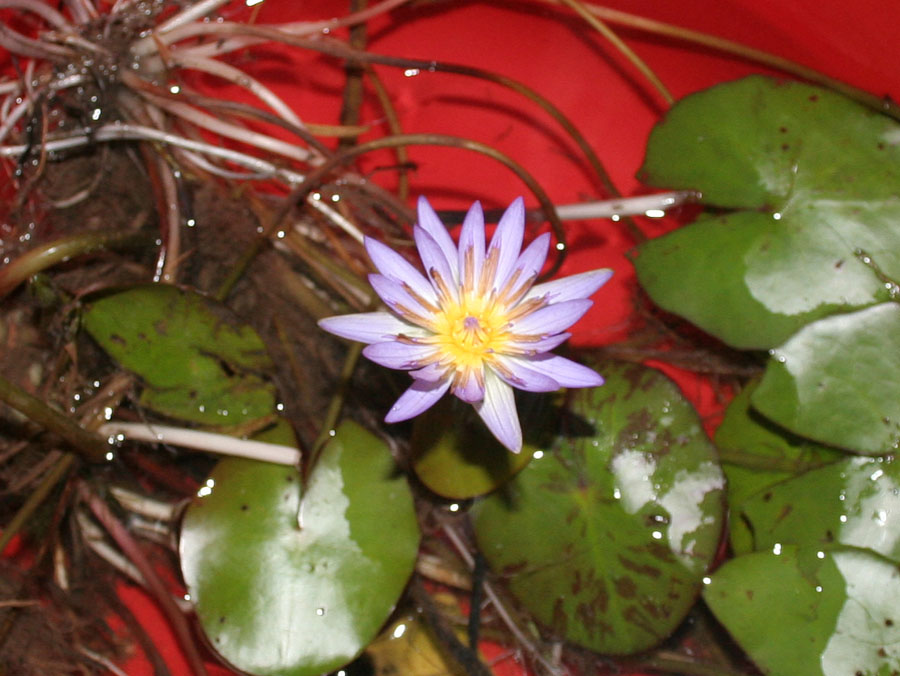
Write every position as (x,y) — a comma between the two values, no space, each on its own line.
(204,441)
(645,205)
(228,130)
(241,79)
(45,11)
(141,504)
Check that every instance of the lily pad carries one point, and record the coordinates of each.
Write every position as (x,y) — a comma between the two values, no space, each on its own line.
(816,178)
(838,381)
(293,584)
(455,455)
(197,363)
(809,612)
(605,536)
(853,502)
(756,454)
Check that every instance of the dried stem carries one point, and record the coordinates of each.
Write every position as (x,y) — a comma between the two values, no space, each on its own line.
(123,539)
(626,51)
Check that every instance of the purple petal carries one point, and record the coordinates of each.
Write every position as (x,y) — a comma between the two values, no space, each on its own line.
(435,262)
(529,264)
(507,241)
(553,318)
(369,327)
(471,244)
(565,371)
(398,299)
(430,223)
(397,355)
(469,389)
(498,410)
(518,373)
(421,396)
(571,288)
(540,345)
(430,373)
(394,266)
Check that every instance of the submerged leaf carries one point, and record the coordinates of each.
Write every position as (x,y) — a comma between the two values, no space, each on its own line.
(606,536)
(818,179)
(296,585)
(196,362)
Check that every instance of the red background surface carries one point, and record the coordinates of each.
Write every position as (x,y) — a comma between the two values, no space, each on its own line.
(553,52)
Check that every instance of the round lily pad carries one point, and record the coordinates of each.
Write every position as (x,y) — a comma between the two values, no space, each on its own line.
(813,180)
(605,537)
(293,583)
(811,612)
(838,381)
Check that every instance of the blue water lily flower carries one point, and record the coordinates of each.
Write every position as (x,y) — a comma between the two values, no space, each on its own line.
(475,324)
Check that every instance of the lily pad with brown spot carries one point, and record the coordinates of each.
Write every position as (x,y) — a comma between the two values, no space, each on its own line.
(605,538)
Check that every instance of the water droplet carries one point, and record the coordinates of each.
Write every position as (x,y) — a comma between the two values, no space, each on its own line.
(537,455)
(776,549)
(320,612)
(399,630)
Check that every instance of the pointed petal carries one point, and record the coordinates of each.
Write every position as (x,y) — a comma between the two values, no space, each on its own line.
(436,264)
(396,355)
(471,246)
(571,288)
(553,318)
(394,266)
(470,389)
(565,371)
(369,327)
(517,372)
(430,223)
(421,396)
(399,300)
(431,373)
(529,265)
(540,345)
(498,410)
(507,240)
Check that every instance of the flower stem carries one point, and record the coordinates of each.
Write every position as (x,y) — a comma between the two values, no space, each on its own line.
(37,497)
(94,448)
(44,256)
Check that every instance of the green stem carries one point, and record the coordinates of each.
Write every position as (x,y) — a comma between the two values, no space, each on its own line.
(59,470)
(335,405)
(94,448)
(44,256)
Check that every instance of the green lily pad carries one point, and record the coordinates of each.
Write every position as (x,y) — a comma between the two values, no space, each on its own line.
(838,381)
(854,502)
(756,454)
(809,612)
(196,362)
(455,455)
(606,536)
(297,585)
(817,179)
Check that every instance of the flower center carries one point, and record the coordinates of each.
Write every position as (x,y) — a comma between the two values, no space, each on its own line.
(471,331)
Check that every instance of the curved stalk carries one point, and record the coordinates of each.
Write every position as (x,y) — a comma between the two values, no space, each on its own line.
(759,56)
(44,256)
(315,177)
(626,51)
